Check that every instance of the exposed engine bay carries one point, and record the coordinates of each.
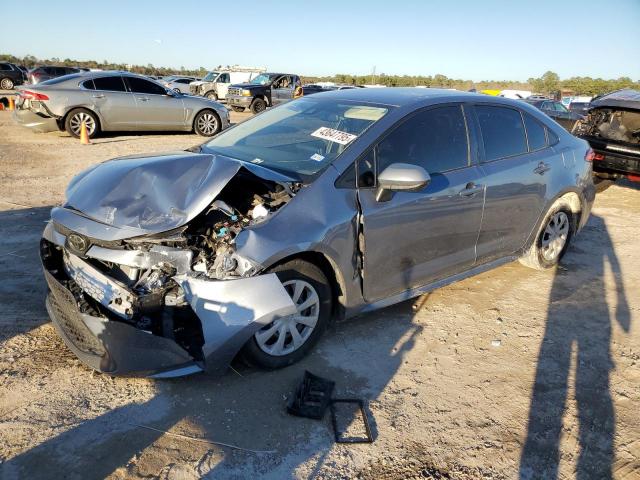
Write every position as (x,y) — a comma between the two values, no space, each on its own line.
(610,124)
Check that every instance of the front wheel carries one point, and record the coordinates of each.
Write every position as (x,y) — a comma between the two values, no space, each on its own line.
(6,84)
(206,123)
(75,119)
(211,96)
(258,105)
(552,240)
(288,339)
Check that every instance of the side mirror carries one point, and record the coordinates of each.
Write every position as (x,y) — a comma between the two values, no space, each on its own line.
(401,177)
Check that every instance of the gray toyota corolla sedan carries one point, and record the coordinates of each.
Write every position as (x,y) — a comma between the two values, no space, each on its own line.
(115,101)
(325,207)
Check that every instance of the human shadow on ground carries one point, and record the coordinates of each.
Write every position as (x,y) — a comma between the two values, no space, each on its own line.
(578,320)
(22,289)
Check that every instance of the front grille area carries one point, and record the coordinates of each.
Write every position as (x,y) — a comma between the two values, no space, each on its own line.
(234,91)
(193,89)
(64,308)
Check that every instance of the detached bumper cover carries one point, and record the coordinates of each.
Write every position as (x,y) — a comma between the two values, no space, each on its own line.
(113,347)
(230,313)
(35,121)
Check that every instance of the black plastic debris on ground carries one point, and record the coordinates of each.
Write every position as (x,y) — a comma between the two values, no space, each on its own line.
(313,397)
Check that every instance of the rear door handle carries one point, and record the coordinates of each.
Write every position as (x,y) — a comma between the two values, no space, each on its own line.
(470,190)
(98,96)
(143,99)
(541,168)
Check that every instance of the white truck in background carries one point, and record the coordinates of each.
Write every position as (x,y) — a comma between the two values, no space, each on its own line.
(215,84)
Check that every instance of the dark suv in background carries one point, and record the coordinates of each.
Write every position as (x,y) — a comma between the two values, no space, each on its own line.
(47,72)
(10,76)
(265,90)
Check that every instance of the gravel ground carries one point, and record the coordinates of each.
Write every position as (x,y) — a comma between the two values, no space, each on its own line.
(511,373)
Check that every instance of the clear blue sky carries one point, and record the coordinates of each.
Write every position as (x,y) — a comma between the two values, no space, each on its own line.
(478,40)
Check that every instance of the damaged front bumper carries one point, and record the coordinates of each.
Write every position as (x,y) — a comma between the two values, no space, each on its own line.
(201,328)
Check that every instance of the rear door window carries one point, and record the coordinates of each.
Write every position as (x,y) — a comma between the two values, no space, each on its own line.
(5,67)
(435,139)
(502,132)
(140,85)
(110,84)
(535,133)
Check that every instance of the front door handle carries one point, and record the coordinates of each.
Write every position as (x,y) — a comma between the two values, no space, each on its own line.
(542,168)
(470,190)
(98,96)
(143,99)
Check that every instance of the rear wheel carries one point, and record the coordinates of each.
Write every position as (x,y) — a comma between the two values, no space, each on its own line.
(288,339)
(211,96)
(258,105)
(206,123)
(75,119)
(237,109)
(6,84)
(552,240)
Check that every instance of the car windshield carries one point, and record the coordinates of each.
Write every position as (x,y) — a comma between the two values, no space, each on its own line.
(262,79)
(299,138)
(210,77)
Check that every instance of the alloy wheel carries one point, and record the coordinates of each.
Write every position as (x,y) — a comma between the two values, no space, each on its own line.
(286,335)
(78,119)
(208,123)
(555,235)
(6,84)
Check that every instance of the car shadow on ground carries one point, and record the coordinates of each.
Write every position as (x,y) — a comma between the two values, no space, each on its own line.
(245,408)
(578,325)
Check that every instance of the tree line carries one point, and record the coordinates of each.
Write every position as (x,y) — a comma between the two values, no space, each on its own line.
(548,83)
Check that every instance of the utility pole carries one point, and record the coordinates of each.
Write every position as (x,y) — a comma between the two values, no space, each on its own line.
(373,76)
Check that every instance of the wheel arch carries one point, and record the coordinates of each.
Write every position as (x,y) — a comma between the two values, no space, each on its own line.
(570,197)
(63,119)
(331,271)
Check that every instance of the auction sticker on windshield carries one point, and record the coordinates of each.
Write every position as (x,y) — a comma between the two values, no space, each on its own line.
(332,135)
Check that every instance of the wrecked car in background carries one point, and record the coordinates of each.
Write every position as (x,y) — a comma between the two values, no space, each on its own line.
(114,101)
(612,128)
(327,206)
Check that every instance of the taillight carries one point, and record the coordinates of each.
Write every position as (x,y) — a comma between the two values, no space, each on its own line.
(33,95)
(590,156)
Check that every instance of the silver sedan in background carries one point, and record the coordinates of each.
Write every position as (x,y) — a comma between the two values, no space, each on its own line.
(178,84)
(115,101)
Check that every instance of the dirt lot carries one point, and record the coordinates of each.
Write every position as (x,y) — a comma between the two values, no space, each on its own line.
(511,373)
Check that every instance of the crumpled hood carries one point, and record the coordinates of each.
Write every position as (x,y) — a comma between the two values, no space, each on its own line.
(154,194)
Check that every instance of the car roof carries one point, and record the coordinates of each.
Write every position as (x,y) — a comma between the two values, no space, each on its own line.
(625,98)
(402,96)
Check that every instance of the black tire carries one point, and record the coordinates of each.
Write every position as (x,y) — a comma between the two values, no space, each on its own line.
(237,109)
(7,84)
(207,123)
(73,121)
(313,276)
(535,257)
(258,105)
(211,95)
(177,90)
